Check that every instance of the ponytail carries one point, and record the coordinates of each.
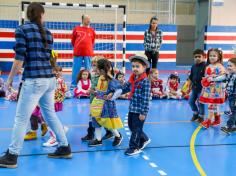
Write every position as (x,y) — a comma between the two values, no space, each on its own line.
(34,14)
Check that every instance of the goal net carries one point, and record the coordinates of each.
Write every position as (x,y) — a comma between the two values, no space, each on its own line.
(109,22)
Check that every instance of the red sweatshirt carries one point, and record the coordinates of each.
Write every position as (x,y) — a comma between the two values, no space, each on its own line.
(83,41)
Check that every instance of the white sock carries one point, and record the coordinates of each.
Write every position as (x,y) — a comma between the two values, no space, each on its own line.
(98,133)
(116,133)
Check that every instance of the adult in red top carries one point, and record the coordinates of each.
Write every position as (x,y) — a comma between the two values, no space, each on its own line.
(83,38)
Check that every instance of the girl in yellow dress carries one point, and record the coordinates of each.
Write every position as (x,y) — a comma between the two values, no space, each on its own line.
(103,107)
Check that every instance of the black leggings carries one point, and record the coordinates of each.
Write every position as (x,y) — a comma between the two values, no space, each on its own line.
(152,58)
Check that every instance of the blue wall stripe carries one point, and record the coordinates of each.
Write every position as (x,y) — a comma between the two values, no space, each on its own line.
(98,46)
(221,28)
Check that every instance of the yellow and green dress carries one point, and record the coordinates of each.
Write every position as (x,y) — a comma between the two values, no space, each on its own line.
(104,112)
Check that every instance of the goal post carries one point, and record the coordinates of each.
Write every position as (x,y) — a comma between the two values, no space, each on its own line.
(109,22)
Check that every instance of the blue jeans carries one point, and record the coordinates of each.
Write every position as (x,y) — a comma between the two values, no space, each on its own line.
(77,64)
(232,117)
(196,106)
(39,91)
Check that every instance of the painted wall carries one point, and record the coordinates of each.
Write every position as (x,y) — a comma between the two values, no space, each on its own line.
(223,15)
(104,42)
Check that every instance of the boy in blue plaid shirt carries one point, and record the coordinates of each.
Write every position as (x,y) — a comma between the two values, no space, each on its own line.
(140,91)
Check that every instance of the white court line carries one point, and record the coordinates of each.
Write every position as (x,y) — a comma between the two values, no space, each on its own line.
(125,124)
(145,157)
(161,172)
(127,129)
(153,164)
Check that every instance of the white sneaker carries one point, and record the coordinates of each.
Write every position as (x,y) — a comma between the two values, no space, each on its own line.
(51,142)
(145,144)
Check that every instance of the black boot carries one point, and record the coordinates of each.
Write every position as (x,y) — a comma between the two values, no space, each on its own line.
(108,135)
(94,143)
(117,141)
(195,117)
(61,152)
(8,160)
(90,134)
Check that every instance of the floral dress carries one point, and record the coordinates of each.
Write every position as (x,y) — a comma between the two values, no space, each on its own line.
(213,93)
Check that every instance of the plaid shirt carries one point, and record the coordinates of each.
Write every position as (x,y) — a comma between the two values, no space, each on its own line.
(139,102)
(152,42)
(230,80)
(29,48)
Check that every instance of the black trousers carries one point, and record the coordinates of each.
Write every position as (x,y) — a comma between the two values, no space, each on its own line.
(152,58)
(138,137)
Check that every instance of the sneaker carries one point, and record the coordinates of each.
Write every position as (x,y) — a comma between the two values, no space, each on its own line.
(195,117)
(227,113)
(31,135)
(61,152)
(217,120)
(108,135)
(94,143)
(200,120)
(132,152)
(51,142)
(206,123)
(87,138)
(8,160)
(117,141)
(44,129)
(227,130)
(143,145)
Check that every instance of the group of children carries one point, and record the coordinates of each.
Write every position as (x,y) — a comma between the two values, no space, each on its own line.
(212,85)
(103,92)
(171,90)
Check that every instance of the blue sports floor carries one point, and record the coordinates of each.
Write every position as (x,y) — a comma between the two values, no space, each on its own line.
(178,147)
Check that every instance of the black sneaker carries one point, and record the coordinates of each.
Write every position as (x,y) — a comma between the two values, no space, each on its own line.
(227,130)
(144,144)
(8,160)
(117,141)
(195,117)
(108,135)
(132,152)
(61,152)
(200,120)
(227,113)
(87,138)
(94,143)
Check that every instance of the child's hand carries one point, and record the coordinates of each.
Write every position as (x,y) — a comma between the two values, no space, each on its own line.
(108,97)
(210,79)
(92,91)
(142,117)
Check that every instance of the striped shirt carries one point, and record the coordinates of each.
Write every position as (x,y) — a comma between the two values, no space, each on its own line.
(30,49)
(139,102)
(152,41)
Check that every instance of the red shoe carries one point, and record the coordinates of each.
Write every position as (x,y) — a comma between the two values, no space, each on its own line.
(206,123)
(216,121)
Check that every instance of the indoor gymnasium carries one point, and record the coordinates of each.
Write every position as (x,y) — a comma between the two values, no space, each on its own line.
(117,87)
